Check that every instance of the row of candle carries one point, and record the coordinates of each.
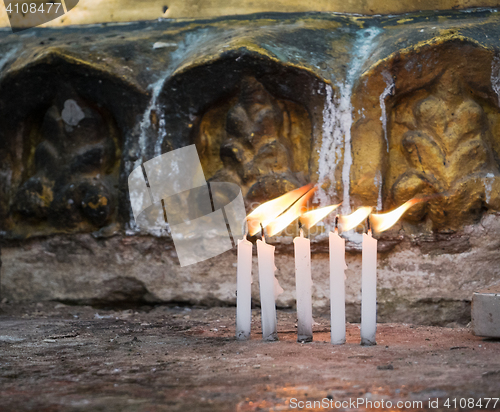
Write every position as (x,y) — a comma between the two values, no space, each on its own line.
(272,216)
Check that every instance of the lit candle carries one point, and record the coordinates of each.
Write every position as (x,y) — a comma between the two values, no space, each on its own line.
(265,257)
(303,271)
(337,287)
(263,215)
(303,285)
(369,290)
(337,297)
(368,281)
(380,222)
(244,290)
(270,214)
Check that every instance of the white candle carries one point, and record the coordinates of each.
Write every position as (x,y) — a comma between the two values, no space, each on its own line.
(303,284)
(265,257)
(337,288)
(244,290)
(369,290)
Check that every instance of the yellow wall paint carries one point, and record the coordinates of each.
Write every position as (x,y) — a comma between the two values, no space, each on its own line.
(100,11)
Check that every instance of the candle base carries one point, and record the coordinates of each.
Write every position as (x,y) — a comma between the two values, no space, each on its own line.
(304,338)
(338,342)
(242,335)
(368,342)
(273,337)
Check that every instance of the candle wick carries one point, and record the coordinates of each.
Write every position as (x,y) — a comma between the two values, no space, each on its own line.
(263,234)
(368,225)
(245,228)
(301,232)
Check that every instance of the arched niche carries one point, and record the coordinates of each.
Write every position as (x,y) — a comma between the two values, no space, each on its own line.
(429,125)
(63,145)
(255,121)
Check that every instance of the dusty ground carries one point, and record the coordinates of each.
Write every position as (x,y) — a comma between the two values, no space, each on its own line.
(55,357)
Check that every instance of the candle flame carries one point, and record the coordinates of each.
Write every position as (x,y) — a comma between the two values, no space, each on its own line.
(267,212)
(385,221)
(282,222)
(309,219)
(354,219)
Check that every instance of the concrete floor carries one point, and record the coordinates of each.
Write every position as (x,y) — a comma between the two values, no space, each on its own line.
(55,357)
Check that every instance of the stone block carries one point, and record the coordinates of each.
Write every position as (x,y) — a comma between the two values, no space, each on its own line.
(486,312)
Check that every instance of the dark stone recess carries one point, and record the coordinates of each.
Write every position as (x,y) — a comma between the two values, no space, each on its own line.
(65,147)
(441,243)
(120,291)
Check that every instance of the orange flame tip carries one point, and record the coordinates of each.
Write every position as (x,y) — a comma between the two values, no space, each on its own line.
(354,219)
(309,219)
(385,221)
(267,212)
(282,222)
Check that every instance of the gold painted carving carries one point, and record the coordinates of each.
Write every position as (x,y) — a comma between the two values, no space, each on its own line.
(70,169)
(442,145)
(257,141)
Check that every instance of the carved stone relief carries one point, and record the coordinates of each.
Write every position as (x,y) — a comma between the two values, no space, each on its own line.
(442,145)
(426,123)
(263,142)
(254,121)
(62,148)
(70,171)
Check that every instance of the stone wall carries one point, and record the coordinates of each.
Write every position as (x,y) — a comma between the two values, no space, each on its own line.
(374,110)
